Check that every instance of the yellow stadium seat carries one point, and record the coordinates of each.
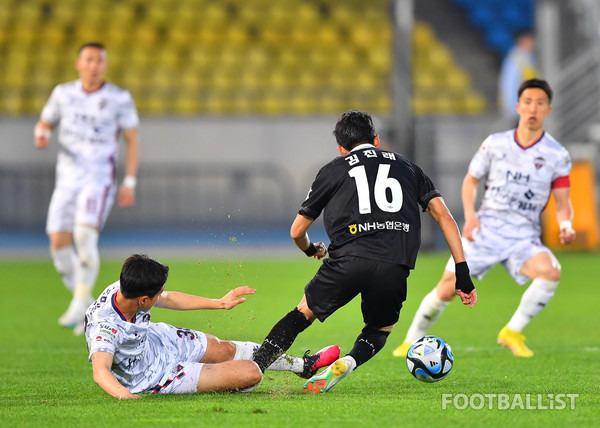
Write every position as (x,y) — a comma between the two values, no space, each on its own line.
(242,103)
(12,102)
(381,59)
(382,104)
(303,104)
(218,103)
(214,15)
(168,58)
(422,105)
(346,59)
(27,13)
(202,58)
(257,58)
(343,15)
(424,80)
(236,36)
(362,36)
(423,37)
(186,105)
(145,36)
(474,103)
(457,80)
(251,81)
(329,103)
(440,58)
(62,13)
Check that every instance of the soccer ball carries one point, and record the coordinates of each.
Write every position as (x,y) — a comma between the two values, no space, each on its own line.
(429,359)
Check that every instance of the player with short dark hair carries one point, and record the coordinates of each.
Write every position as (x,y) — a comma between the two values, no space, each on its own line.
(132,355)
(521,168)
(92,114)
(371,201)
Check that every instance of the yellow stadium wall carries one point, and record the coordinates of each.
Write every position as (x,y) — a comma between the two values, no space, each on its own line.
(585,219)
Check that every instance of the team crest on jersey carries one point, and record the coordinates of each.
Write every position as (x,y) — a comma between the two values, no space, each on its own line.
(102,104)
(539,162)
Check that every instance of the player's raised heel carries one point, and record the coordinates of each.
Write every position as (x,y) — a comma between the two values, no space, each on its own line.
(327,379)
(402,350)
(515,341)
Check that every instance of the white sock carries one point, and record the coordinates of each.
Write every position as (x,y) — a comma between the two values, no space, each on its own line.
(429,311)
(245,351)
(65,261)
(86,272)
(350,363)
(537,295)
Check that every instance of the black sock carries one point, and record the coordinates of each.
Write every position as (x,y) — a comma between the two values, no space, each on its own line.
(367,344)
(280,338)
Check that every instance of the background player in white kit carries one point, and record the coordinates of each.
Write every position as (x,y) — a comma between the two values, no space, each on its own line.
(92,113)
(521,168)
(132,355)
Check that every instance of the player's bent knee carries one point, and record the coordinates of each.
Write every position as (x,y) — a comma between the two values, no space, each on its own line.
(554,275)
(229,376)
(217,350)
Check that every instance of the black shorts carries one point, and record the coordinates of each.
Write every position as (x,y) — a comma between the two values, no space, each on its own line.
(382,287)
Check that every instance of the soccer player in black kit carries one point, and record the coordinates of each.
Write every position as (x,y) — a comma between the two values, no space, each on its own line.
(371,200)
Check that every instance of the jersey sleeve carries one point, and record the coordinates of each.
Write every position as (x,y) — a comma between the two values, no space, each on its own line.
(102,337)
(480,163)
(127,116)
(563,166)
(318,194)
(51,111)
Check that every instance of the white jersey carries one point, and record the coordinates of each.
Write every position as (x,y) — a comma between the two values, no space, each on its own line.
(143,351)
(518,181)
(89,128)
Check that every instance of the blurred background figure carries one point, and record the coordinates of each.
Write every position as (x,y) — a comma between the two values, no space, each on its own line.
(520,64)
(92,113)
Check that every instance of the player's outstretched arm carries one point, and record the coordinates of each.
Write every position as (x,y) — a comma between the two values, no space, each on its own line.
(464,285)
(126,195)
(101,364)
(564,214)
(185,302)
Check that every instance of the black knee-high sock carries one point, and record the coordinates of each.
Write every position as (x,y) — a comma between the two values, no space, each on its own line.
(367,344)
(280,338)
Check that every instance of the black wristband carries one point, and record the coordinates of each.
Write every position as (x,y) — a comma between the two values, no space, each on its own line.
(463,278)
(461,268)
(311,250)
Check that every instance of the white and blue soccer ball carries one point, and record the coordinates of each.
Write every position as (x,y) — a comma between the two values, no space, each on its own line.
(429,359)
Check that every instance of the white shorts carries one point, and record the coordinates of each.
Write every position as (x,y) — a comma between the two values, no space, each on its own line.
(488,249)
(88,204)
(181,378)
(182,354)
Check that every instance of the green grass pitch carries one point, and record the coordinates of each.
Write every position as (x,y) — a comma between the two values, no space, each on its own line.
(47,381)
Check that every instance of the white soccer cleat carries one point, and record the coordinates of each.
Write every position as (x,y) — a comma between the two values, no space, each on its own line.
(329,378)
(75,313)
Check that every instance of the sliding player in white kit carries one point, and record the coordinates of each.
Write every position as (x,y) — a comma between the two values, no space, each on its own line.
(132,355)
(521,168)
(92,113)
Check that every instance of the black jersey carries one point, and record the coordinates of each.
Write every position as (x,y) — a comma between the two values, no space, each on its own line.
(370,198)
